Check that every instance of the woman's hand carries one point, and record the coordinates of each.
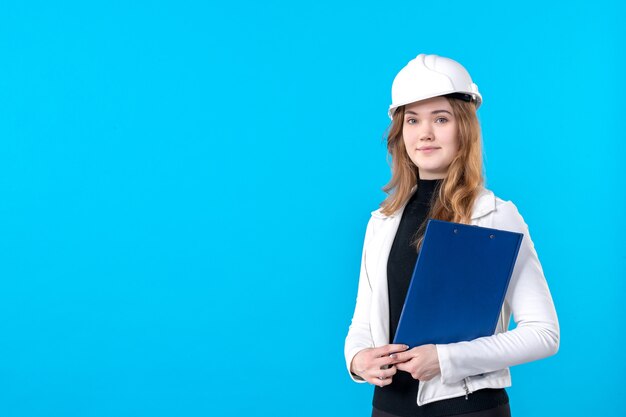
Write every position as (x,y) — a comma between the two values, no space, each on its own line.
(422,362)
(376,365)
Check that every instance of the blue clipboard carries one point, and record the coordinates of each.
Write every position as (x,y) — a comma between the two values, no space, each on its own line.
(459,282)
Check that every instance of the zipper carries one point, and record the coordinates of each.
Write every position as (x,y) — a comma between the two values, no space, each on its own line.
(467,391)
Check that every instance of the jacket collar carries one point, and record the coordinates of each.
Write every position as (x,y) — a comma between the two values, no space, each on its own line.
(485,203)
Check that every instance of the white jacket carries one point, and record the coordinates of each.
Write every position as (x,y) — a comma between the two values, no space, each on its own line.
(465,366)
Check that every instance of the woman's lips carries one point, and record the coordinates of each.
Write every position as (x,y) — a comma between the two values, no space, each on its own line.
(427,150)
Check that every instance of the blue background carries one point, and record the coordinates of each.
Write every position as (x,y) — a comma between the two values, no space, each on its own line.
(186,185)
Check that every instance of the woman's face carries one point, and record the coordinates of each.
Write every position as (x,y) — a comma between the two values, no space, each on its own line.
(429,130)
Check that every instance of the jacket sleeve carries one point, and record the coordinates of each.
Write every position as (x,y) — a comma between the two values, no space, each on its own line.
(537,332)
(359,335)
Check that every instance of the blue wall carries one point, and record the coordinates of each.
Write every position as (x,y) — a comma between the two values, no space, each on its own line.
(185,187)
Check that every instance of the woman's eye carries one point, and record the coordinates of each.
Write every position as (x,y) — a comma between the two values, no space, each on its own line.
(442,118)
(410,121)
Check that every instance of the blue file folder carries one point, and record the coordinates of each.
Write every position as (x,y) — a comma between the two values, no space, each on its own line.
(459,282)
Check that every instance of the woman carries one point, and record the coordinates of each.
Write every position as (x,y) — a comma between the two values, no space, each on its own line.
(435,144)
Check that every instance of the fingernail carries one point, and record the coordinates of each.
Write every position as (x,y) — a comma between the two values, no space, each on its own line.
(393,355)
(406,346)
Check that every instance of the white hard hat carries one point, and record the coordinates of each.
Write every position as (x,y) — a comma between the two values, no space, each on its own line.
(429,76)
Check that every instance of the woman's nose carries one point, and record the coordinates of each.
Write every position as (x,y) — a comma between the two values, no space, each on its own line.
(426,133)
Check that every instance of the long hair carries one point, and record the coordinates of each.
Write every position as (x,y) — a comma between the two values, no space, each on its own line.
(454,199)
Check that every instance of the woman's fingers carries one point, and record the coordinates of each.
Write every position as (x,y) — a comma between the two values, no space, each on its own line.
(380,367)
(424,365)
(385,373)
(405,355)
(390,358)
(386,355)
(381,377)
(375,365)
(390,349)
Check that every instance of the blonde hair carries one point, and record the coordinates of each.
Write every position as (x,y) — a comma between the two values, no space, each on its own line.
(454,199)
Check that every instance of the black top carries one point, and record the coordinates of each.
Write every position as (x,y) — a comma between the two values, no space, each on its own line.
(400,397)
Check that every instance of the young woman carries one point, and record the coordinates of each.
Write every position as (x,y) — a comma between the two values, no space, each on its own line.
(435,144)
